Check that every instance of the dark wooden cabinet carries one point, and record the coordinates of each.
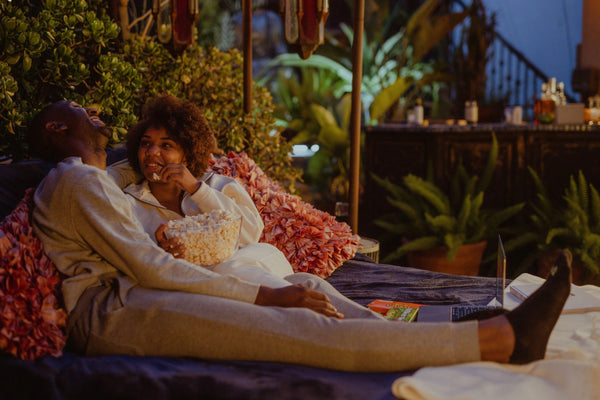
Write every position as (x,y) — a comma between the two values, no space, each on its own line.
(554,151)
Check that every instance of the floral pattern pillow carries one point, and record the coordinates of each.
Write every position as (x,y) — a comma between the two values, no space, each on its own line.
(32,320)
(312,240)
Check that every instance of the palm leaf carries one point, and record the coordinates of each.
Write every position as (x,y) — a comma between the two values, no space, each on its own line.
(505,214)
(453,242)
(555,233)
(429,192)
(396,190)
(433,30)
(389,96)
(464,214)
(406,209)
(441,223)
(594,210)
(490,166)
(391,227)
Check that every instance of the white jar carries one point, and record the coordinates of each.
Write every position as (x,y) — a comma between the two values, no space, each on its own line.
(517,115)
(418,112)
(471,112)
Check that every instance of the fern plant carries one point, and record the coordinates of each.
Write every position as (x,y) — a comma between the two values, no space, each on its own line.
(426,217)
(573,223)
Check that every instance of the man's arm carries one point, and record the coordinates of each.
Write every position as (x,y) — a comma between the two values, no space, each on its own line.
(170,273)
(89,225)
(297,296)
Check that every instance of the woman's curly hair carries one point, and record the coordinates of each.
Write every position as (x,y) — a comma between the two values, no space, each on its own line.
(184,123)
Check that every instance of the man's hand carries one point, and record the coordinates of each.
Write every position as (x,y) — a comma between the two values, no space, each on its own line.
(297,296)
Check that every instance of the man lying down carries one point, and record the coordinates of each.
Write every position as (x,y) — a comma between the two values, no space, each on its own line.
(126,295)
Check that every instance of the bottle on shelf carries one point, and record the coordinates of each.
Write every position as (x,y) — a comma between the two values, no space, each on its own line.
(544,108)
(561,97)
(418,112)
(471,112)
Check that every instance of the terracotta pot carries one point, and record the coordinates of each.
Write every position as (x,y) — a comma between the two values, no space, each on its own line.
(466,262)
(545,261)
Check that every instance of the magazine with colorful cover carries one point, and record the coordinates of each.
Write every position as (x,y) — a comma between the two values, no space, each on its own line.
(395,310)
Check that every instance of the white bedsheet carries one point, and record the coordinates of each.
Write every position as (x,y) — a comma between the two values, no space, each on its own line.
(571,369)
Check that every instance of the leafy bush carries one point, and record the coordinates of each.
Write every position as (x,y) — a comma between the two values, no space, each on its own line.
(46,54)
(68,49)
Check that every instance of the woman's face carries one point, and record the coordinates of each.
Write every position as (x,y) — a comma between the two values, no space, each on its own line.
(156,150)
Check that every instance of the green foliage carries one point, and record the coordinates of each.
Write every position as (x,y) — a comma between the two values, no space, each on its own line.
(47,53)
(471,55)
(305,90)
(68,49)
(573,222)
(428,217)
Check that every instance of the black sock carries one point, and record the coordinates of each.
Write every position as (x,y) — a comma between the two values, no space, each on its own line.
(534,319)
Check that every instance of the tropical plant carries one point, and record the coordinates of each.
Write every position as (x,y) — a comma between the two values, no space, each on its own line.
(392,66)
(312,94)
(426,216)
(294,92)
(573,222)
(68,49)
(472,54)
(333,153)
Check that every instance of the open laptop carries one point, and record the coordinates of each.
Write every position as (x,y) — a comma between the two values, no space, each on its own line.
(445,313)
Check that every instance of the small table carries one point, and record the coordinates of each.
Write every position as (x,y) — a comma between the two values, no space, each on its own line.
(369,247)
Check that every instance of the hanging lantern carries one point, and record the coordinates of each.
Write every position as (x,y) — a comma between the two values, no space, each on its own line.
(175,21)
(304,24)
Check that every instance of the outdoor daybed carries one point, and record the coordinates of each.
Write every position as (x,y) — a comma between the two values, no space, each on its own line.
(70,376)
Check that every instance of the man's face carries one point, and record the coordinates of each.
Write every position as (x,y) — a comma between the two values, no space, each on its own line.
(84,127)
(85,120)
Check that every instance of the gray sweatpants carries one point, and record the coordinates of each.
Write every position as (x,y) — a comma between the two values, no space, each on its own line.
(123,318)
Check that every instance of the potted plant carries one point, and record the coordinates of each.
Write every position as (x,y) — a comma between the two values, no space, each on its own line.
(435,228)
(573,222)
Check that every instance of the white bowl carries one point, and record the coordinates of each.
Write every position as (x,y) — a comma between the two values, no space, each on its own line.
(209,238)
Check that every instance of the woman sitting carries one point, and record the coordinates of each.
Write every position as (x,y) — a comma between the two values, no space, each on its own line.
(170,146)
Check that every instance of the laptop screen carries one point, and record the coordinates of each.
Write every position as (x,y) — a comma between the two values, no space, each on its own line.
(500,273)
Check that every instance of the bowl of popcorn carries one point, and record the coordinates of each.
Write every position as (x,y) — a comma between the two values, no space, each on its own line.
(209,238)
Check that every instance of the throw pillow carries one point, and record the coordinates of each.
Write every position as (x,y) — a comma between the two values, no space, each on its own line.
(311,239)
(32,321)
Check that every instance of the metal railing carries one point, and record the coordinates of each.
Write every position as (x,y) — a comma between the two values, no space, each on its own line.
(511,77)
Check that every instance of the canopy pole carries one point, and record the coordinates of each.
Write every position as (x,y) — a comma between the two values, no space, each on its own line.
(247,49)
(357,67)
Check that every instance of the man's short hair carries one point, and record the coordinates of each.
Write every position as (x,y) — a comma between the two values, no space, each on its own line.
(38,140)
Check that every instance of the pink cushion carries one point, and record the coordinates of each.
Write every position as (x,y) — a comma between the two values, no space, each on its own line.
(32,320)
(312,240)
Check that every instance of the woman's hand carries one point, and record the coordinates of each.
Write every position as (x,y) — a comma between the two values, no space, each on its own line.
(171,245)
(297,296)
(181,176)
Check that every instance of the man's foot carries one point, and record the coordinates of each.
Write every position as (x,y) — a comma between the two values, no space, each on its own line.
(534,319)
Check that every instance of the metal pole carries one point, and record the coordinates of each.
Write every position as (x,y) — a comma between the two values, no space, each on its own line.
(357,61)
(247,48)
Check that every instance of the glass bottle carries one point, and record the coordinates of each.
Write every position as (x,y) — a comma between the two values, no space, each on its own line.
(418,112)
(471,112)
(342,209)
(545,106)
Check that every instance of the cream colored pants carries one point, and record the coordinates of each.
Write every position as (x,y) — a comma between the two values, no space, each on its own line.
(123,318)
